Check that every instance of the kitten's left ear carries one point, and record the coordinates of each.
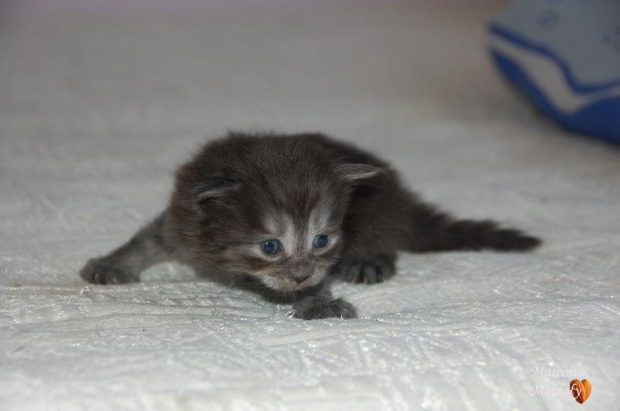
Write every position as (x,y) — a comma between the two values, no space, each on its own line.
(213,188)
(355,172)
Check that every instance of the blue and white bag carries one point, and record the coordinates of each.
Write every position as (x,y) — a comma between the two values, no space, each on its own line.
(564,55)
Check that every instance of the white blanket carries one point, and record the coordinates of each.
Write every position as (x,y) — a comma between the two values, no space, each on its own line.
(98,106)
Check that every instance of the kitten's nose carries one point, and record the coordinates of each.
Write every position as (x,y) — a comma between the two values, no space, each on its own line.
(301,273)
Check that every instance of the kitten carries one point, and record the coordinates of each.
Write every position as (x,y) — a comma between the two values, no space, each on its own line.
(286,213)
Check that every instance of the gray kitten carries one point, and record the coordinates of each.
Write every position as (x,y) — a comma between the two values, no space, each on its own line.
(285,214)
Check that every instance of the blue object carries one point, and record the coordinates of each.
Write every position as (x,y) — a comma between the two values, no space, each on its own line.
(270,247)
(320,241)
(564,55)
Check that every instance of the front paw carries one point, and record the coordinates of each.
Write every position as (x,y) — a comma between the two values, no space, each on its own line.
(317,309)
(97,271)
(367,269)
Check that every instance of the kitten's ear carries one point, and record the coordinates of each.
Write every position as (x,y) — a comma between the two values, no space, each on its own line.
(214,188)
(355,172)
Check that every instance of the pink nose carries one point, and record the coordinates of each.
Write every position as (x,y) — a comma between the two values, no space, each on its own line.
(300,273)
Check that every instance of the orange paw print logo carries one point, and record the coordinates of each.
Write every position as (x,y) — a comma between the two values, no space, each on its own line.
(581,390)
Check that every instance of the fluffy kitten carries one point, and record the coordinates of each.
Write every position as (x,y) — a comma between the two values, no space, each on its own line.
(287,212)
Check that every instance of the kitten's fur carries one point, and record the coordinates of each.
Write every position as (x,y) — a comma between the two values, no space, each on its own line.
(245,189)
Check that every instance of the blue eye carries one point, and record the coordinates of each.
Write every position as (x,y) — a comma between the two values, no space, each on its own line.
(320,241)
(270,247)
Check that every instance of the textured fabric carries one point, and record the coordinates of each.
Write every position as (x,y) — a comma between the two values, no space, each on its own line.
(96,111)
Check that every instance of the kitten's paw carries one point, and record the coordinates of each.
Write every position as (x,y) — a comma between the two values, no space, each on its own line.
(317,309)
(97,271)
(368,269)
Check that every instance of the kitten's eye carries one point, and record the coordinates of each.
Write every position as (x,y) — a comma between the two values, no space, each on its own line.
(320,241)
(270,247)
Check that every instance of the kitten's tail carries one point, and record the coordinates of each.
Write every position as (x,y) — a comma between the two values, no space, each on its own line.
(434,230)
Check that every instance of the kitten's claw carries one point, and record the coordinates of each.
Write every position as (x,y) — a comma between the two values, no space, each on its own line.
(315,310)
(97,271)
(366,269)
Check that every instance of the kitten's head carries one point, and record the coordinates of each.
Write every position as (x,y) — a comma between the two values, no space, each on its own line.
(278,219)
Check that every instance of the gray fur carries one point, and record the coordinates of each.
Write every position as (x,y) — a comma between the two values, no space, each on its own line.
(244,189)
(147,247)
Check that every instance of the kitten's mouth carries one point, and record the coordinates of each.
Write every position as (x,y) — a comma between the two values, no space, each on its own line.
(309,282)
(302,285)
(286,284)
(298,286)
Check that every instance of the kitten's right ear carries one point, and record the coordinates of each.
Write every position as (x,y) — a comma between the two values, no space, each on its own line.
(352,172)
(214,188)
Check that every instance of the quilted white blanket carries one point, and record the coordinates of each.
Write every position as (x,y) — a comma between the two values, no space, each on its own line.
(100,101)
